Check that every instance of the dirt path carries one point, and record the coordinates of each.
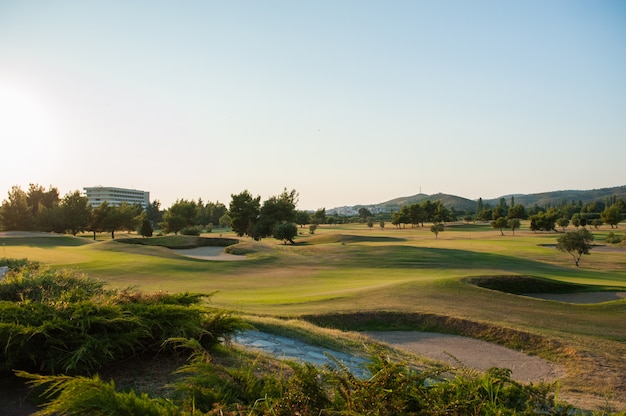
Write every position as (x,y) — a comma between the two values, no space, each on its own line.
(470,352)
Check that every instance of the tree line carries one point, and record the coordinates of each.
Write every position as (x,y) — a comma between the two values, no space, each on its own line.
(40,209)
(549,218)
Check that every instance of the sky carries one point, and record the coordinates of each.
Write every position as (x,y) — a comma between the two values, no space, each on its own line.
(347,102)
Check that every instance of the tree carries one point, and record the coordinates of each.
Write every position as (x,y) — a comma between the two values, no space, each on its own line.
(498,212)
(123,217)
(16,214)
(302,218)
(364,213)
(75,212)
(276,209)
(98,218)
(225,220)
(244,213)
(154,213)
(370,223)
(612,215)
(285,231)
(181,214)
(517,211)
(436,229)
(146,228)
(319,216)
(38,198)
(312,228)
(597,222)
(544,221)
(563,222)
(417,214)
(500,224)
(514,224)
(576,243)
(382,224)
(172,222)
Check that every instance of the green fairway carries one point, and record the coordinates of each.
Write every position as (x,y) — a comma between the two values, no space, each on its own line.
(352,269)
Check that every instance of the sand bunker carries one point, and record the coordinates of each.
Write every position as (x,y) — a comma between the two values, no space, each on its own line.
(480,355)
(210,253)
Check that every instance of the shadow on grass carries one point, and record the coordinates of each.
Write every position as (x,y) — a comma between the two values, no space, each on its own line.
(439,258)
(44,242)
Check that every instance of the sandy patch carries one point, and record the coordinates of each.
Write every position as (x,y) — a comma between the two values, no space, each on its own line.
(470,352)
(210,253)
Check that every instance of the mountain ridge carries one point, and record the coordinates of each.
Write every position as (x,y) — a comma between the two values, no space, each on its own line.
(461,204)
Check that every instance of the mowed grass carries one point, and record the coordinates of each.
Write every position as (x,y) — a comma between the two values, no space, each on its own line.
(352,269)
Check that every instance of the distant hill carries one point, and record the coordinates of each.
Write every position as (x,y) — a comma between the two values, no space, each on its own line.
(461,204)
(557,197)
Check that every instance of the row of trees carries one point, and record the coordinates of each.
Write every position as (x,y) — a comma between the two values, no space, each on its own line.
(39,209)
(427,211)
(43,210)
(547,219)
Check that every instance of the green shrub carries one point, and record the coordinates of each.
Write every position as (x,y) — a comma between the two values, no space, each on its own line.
(19,264)
(95,397)
(612,238)
(195,230)
(61,321)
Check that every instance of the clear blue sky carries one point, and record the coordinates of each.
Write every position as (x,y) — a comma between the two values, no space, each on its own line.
(348,102)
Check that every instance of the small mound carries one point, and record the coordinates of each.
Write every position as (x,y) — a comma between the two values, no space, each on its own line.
(519,285)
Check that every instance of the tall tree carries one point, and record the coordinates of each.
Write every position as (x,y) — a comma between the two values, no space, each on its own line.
(612,215)
(154,213)
(181,214)
(99,217)
(16,213)
(517,211)
(244,212)
(319,216)
(123,217)
(303,218)
(38,197)
(275,210)
(75,212)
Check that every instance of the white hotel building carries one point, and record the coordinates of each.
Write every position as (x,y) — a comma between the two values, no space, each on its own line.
(115,196)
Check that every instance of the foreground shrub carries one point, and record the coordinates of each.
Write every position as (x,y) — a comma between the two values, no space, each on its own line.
(18,264)
(94,397)
(63,322)
(207,388)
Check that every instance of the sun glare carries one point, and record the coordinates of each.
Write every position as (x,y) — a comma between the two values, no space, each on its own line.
(25,120)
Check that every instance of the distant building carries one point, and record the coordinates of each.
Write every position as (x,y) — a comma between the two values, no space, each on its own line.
(115,196)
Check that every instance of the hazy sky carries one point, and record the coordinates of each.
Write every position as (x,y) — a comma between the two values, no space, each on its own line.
(348,102)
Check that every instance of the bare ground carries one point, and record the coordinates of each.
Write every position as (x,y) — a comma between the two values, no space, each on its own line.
(469,352)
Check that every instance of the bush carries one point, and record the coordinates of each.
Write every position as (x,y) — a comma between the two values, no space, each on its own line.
(612,238)
(61,321)
(195,230)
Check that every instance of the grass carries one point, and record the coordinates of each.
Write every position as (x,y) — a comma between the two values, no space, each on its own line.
(351,269)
